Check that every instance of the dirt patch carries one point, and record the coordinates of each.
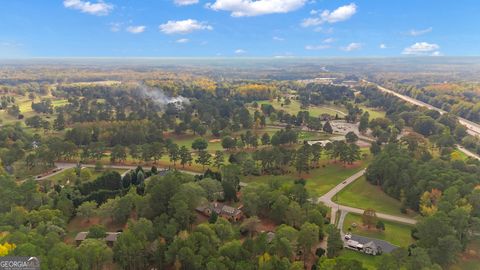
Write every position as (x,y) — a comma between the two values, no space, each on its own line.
(214,141)
(266,225)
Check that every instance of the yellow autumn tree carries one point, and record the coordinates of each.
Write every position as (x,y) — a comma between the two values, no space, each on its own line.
(6,248)
(429,201)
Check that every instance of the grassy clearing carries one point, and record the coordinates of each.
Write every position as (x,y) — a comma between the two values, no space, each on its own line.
(60,177)
(395,233)
(370,262)
(319,181)
(374,113)
(316,111)
(362,194)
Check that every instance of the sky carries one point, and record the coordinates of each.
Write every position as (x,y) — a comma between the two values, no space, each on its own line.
(239,28)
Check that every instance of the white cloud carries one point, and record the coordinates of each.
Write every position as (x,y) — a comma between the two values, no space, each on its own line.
(340,14)
(115,27)
(422,48)
(328,40)
(245,8)
(352,47)
(100,8)
(136,29)
(420,32)
(240,51)
(278,38)
(183,27)
(185,2)
(182,40)
(382,46)
(316,47)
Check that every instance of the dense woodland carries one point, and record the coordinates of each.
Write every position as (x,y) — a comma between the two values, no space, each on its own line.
(139,122)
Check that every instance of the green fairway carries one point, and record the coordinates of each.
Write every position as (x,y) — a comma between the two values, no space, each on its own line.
(395,233)
(319,181)
(362,194)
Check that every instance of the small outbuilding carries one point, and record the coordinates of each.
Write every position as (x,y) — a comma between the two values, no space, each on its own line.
(81,236)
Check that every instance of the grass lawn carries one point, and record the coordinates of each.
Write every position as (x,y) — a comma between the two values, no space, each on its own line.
(362,194)
(316,111)
(319,181)
(374,113)
(370,262)
(395,233)
(58,178)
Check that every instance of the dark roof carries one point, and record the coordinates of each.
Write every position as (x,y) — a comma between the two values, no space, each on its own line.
(384,245)
(220,208)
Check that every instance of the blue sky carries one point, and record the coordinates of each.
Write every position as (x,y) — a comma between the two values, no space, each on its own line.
(262,28)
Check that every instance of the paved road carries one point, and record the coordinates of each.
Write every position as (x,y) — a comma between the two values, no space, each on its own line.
(327,200)
(472,128)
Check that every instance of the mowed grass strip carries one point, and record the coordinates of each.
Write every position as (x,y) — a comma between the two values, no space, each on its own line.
(395,233)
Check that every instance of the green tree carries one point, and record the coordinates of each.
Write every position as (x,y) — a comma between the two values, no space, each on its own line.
(363,125)
(173,153)
(118,154)
(334,242)
(93,254)
(327,127)
(307,237)
(199,144)
(185,156)
(351,137)
(204,158)
(218,159)
(87,210)
(265,139)
(59,122)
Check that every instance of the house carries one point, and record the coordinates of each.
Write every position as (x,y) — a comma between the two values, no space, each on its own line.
(230,213)
(372,248)
(110,238)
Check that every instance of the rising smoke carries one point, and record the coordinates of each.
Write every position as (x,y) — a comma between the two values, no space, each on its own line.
(161,99)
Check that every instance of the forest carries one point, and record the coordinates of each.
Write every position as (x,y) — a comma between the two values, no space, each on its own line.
(144,153)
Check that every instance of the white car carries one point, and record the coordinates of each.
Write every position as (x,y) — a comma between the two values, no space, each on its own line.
(348,236)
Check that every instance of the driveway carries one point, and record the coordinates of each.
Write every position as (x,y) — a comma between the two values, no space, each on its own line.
(327,200)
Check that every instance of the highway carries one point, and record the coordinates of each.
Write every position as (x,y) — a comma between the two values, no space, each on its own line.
(472,128)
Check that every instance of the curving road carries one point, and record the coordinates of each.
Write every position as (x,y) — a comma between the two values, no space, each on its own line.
(327,200)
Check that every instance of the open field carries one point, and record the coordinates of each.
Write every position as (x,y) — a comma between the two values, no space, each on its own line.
(374,113)
(319,181)
(362,194)
(316,111)
(395,233)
